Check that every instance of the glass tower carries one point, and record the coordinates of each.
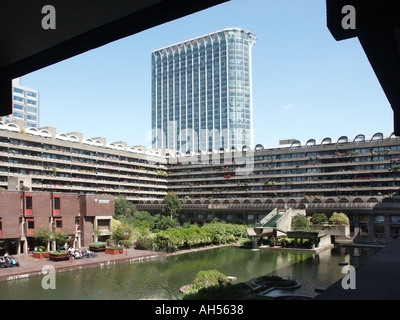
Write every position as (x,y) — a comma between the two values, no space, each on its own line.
(25,105)
(202,93)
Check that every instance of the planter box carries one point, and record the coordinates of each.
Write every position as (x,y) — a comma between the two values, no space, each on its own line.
(97,249)
(59,257)
(114,251)
(40,255)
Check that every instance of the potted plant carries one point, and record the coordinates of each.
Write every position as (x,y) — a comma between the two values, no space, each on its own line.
(40,253)
(97,246)
(59,255)
(114,249)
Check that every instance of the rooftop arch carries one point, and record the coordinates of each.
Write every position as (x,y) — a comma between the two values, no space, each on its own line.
(32,131)
(98,143)
(295,143)
(62,136)
(359,138)
(311,142)
(343,139)
(326,140)
(45,133)
(377,136)
(73,138)
(12,127)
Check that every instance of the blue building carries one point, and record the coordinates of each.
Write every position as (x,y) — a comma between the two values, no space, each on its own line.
(25,105)
(202,93)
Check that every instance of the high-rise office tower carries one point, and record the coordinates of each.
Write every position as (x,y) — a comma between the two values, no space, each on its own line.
(202,93)
(25,105)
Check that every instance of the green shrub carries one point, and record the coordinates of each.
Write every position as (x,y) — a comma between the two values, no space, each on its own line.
(339,218)
(144,242)
(300,222)
(59,252)
(209,278)
(113,247)
(319,218)
(41,249)
(98,244)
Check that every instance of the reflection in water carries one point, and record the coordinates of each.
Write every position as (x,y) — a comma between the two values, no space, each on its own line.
(162,278)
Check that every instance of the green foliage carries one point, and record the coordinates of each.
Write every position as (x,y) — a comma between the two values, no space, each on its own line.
(98,244)
(144,219)
(272,240)
(123,207)
(42,236)
(319,218)
(41,249)
(171,205)
(118,233)
(339,218)
(114,247)
(192,235)
(59,252)
(173,239)
(145,242)
(61,238)
(164,223)
(209,278)
(221,232)
(223,292)
(300,222)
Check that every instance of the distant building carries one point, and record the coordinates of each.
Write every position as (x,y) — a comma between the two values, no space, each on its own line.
(25,105)
(202,93)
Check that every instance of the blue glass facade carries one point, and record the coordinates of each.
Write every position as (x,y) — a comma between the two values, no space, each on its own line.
(202,93)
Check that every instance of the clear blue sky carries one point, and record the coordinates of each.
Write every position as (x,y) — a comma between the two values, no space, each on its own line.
(305,83)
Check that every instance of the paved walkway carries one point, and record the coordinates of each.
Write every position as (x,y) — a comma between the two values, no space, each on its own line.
(30,266)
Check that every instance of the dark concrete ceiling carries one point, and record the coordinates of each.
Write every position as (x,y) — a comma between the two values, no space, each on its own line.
(81,25)
(377,27)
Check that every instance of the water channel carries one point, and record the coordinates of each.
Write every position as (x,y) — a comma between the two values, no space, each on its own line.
(161,278)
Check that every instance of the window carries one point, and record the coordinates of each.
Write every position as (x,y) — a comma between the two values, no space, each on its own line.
(1,228)
(57,203)
(57,206)
(31,94)
(31,224)
(28,205)
(58,223)
(30,227)
(18,90)
(379,227)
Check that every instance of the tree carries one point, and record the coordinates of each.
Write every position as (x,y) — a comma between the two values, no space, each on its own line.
(42,237)
(300,222)
(60,238)
(123,207)
(172,205)
(319,218)
(339,218)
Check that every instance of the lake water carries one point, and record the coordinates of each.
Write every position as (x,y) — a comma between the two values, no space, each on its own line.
(163,277)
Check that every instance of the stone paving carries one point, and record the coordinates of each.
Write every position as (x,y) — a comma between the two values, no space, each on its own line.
(30,266)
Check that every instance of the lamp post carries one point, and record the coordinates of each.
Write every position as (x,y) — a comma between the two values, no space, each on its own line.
(126,234)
